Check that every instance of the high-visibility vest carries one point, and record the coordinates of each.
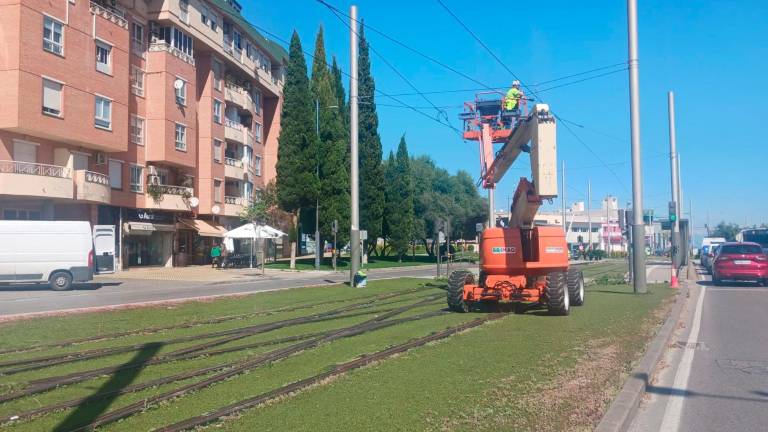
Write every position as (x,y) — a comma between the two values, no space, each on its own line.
(513,96)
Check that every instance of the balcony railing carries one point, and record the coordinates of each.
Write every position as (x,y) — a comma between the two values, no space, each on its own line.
(162,46)
(233,124)
(235,200)
(16,167)
(98,178)
(110,13)
(176,190)
(233,162)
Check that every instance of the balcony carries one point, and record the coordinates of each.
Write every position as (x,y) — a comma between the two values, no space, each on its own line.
(234,131)
(35,180)
(168,197)
(92,186)
(233,168)
(234,206)
(109,13)
(236,95)
(162,46)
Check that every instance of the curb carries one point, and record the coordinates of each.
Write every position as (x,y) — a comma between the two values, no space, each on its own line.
(622,411)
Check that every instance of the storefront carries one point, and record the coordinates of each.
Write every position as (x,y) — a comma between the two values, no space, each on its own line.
(196,238)
(149,238)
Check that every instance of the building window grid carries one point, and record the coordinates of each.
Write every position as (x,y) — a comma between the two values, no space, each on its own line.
(217,105)
(103,57)
(217,191)
(52,92)
(216,66)
(53,35)
(257,132)
(137,38)
(137,178)
(103,114)
(218,146)
(257,167)
(181,93)
(137,130)
(181,137)
(137,81)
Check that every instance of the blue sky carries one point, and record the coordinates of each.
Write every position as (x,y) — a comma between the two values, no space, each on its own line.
(712,54)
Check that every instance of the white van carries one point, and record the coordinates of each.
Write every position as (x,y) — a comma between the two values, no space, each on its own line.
(59,253)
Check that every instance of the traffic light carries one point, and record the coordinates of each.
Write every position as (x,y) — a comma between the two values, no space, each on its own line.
(672,211)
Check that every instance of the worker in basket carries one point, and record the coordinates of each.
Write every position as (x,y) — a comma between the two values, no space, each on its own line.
(512,103)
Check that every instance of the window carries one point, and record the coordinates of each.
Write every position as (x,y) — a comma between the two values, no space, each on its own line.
(217,111)
(181,92)
(204,14)
(137,81)
(217,191)
(216,75)
(137,130)
(214,22)
(257,102)
(24,151)
(184,10)
(181,137)
(238,41)
(257,162)
(217,146)
(14,214)
(162,175)
(53,35)
(171,36)
(257,131)
(137,178)
(137,38)
(52,97)
(115,174)
(103,57)
(103,115)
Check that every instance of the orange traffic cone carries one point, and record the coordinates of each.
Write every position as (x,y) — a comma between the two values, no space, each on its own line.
(673,282)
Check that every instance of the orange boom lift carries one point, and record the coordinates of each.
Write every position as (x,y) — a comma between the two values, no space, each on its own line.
(521,265)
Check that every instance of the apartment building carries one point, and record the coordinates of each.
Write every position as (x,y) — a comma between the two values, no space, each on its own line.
(160,117)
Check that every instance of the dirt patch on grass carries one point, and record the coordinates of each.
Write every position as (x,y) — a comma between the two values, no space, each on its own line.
(574,398)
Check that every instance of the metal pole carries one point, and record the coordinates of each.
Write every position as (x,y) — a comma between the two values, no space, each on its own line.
(638,229)
(491,215)
(562,199)
(354,259)
(589,212)
(317,198)
(675,238)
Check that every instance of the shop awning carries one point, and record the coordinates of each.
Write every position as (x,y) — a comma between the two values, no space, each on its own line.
(146,227)
(203,228)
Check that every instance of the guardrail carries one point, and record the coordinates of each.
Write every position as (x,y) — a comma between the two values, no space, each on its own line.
(233,124)
(236,200)
(29,168)
(115,15)
(233,162)
(97,178)
(162,46)
(176,190)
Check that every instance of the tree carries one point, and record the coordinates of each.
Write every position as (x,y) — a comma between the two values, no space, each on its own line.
(334,187)
(297,183)
(371,169)
(726,230)
(399,200)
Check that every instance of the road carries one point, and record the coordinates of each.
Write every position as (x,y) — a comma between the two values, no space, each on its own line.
(714,376)
(31,299)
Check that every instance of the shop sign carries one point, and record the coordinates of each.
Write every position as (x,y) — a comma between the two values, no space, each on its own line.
(142,215)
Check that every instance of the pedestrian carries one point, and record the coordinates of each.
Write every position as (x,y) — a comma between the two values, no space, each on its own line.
(215,255)
(224,255)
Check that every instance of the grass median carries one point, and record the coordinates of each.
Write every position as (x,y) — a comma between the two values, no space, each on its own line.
(530,371)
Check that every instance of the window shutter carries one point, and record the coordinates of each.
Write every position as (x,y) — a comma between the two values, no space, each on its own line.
(115,174)
(52,95)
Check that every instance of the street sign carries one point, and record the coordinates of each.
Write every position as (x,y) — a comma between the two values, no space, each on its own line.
(363,235)
(478,227)
(622,219)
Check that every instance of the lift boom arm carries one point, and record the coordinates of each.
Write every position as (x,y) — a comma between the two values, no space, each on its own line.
(535,134)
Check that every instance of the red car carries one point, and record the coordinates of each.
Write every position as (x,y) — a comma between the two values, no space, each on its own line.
(740,261)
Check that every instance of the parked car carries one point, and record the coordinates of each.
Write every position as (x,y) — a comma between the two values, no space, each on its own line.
(740,261)
(708,253)
(59,253)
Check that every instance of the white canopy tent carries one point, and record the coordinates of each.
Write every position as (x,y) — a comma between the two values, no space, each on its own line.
(251,231)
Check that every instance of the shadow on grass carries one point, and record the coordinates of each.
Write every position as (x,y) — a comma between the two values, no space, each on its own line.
(95,405)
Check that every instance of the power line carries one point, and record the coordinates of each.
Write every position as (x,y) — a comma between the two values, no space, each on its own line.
(287,43)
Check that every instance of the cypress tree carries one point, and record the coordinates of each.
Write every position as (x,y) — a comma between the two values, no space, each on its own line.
(371,169)
(297,183)
(334,187)
(399,200)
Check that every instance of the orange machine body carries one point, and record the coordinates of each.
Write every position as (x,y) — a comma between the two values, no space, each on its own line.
(514,262)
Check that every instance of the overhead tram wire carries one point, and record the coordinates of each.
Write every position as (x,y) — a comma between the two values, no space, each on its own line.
(396,71)
(511,72)
(287,43)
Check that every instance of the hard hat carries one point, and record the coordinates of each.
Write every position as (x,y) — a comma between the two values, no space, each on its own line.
(515,83)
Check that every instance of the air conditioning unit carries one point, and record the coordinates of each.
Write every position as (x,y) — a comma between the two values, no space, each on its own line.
(101,158)
(153,180)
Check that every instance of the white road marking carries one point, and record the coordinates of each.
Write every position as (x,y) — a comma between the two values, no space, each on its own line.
(674,409)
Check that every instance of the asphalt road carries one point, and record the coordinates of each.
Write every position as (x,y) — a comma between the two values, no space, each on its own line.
(714,376)
(27,299)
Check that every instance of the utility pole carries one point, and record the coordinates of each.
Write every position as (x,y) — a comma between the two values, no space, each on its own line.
(638,228)
(354,259)
(674,207)
(589,212)
(562,198)
(317,197)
